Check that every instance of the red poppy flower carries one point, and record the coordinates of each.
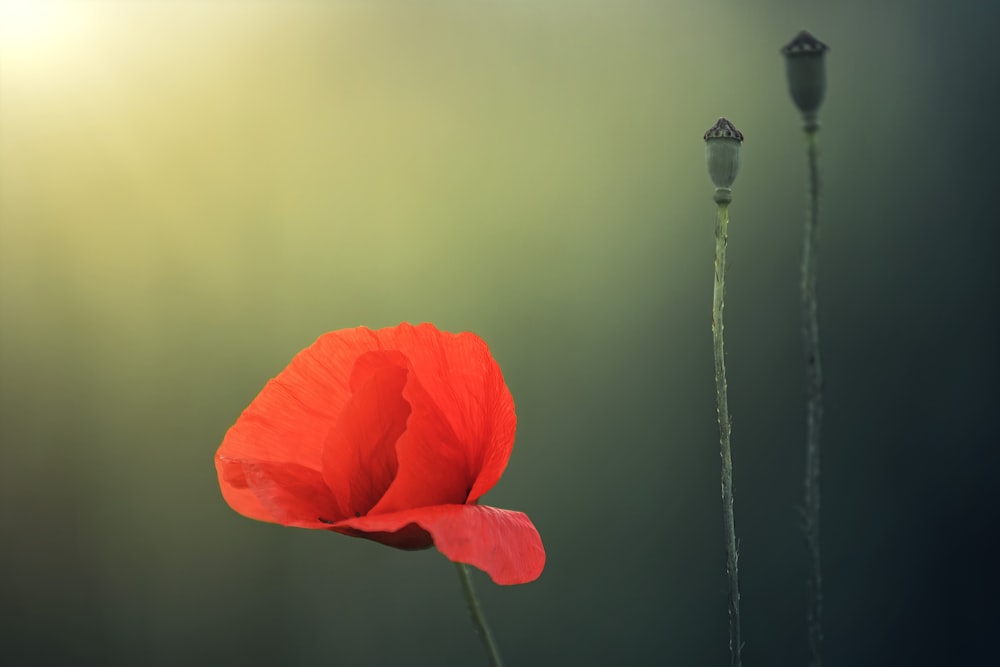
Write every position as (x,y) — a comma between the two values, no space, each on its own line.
(392,435)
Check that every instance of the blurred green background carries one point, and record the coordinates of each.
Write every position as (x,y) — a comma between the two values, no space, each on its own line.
(191,192)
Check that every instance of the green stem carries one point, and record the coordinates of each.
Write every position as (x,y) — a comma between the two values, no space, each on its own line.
(476,612)
(814,401)
(722,198)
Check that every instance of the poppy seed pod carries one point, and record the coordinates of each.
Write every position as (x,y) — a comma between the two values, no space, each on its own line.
(805,64)
(722,153)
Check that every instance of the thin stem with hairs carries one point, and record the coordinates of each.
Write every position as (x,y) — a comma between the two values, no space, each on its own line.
(478,619)
(805,67)
(722,154)
(725,429)
(814,403)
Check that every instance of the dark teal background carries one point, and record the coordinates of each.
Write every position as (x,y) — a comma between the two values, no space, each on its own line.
(192,192)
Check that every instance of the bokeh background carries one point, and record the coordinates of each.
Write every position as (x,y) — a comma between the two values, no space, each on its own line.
(191,192)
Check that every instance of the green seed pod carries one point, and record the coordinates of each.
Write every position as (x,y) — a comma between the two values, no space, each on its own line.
(722,153)
(805,64)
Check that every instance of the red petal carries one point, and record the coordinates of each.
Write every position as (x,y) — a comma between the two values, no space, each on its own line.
(291,417)
(434,464)
(285,493)
(359,457)
(458,439)
(502,543)
(459,396)
(236,490)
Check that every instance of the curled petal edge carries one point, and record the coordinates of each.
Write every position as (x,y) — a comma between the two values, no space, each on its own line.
(502,543)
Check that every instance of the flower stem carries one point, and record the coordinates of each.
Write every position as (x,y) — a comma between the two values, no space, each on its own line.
(814,400)
(476,612)
(725,426)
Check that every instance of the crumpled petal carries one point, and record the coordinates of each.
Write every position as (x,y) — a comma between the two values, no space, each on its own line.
(284,493)
(290,418)
(502,543)
(466,406)
(359,456)
(435,466)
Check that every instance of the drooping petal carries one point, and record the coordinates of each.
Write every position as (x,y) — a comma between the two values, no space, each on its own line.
(502,543)
(458,375)
(284,493)
(359,456)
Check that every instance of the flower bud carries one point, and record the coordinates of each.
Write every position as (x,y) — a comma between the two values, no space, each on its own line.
(805,64)
(722,153)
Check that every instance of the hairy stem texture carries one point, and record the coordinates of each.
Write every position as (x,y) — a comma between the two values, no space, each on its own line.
(814,405)
(478,619)
(725,428)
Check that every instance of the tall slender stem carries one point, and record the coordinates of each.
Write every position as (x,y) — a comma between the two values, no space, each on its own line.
(725,426)
(478,619)
(814,401)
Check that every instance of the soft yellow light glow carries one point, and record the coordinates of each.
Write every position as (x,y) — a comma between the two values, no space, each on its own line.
(32,32)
